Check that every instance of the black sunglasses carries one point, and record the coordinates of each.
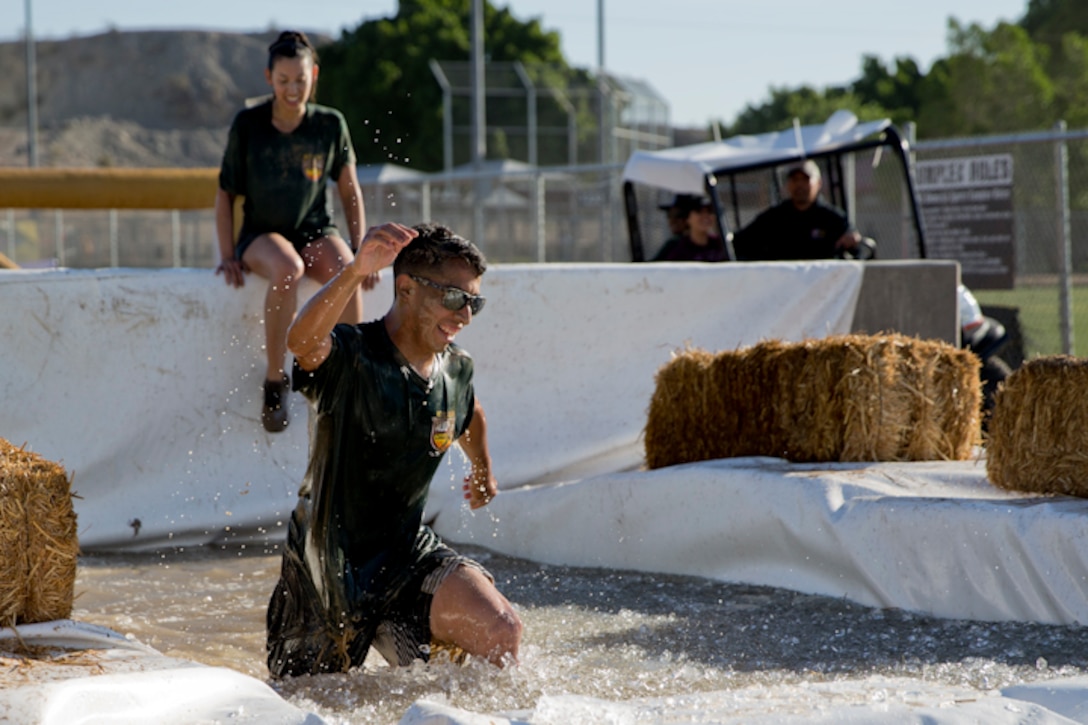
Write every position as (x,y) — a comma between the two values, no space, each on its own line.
(454,298)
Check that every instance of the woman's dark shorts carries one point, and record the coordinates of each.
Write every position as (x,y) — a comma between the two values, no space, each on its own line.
(299,238)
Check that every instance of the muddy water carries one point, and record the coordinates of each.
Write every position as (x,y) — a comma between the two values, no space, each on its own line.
(603,634)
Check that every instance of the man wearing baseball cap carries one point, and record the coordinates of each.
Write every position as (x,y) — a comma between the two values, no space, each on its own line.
(802,226)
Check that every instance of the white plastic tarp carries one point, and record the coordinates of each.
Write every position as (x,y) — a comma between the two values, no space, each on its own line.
(683,169)
(106,678)
(933,537)
(872,701)
(146,385)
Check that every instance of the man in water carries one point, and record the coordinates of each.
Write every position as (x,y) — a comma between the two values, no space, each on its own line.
(802,226)
(388,398)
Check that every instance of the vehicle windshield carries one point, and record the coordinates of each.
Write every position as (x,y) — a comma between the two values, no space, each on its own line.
(868,181)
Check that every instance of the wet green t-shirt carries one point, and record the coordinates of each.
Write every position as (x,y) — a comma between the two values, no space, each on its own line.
(379,431)
(283,176)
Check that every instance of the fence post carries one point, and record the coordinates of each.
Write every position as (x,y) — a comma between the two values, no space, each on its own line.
(11,234)
(175,235)
(1064,236)
(447,114)
(906,222)
(114,254)
(539,227)
(58,230)
(530,103)
(605,216)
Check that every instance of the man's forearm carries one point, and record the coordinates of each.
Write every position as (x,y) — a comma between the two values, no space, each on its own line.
(308,336)
(474,442)
(322,311)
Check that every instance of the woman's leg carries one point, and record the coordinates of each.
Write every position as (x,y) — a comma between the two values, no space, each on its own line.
(324,257)
(271,256)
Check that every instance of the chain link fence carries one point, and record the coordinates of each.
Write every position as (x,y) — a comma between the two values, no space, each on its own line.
(1024,246)
(109,238)
(525,214)
(1043,297)
(1012,209)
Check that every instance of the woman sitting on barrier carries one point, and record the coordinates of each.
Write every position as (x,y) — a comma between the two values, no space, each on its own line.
(280,156)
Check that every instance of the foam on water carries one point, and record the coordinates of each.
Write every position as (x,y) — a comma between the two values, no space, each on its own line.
(596,642)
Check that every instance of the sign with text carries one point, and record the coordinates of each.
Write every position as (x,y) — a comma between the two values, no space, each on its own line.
(967,210)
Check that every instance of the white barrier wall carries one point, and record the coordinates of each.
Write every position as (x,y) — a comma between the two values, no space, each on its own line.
(934,537)
(146,385)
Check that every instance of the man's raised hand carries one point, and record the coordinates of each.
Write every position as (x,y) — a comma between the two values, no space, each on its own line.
(380,247)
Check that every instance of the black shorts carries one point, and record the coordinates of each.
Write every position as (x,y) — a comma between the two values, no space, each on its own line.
(304,637)
(299,238)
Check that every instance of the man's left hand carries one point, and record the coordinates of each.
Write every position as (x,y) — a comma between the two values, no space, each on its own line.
(848,241)
(480,487)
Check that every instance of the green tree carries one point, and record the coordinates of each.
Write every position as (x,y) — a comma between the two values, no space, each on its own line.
(1069,74)
(804,103)
(1048,21)
(991,82)
(896,90)
(378,74)
(1062,25)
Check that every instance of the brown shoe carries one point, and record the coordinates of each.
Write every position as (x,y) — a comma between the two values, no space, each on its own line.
(274,414)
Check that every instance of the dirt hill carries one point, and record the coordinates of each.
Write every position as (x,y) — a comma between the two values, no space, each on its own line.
(153,98)
(146,99)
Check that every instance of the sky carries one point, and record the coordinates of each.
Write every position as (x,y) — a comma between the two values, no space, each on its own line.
(708,59)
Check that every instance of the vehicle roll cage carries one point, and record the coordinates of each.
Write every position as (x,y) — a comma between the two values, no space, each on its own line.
(830,161)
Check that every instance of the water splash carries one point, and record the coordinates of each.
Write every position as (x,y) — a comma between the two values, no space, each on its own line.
(593,638)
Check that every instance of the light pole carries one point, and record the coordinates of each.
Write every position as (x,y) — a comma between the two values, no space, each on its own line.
(479,118)
(602,89)
(600,35)
(31,94)
(604,132)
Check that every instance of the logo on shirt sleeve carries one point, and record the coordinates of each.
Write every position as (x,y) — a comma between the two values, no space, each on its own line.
(442,430)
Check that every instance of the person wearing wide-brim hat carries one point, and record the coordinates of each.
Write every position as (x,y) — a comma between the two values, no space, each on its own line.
(675,216)
(699,241)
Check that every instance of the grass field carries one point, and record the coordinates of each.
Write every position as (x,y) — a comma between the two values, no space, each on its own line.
(1040,316)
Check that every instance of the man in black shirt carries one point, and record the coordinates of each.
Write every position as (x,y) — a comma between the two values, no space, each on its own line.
(388,398)
(801,226)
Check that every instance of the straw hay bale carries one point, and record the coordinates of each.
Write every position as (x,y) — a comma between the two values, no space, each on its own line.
(813,409)
(740,381)
(873,404)
(681,403)
(1036,438)
(955,390)
(842,398)
(933,400)
(38,542)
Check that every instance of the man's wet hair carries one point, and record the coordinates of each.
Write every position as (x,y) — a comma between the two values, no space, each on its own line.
(291,44)
(436,245)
